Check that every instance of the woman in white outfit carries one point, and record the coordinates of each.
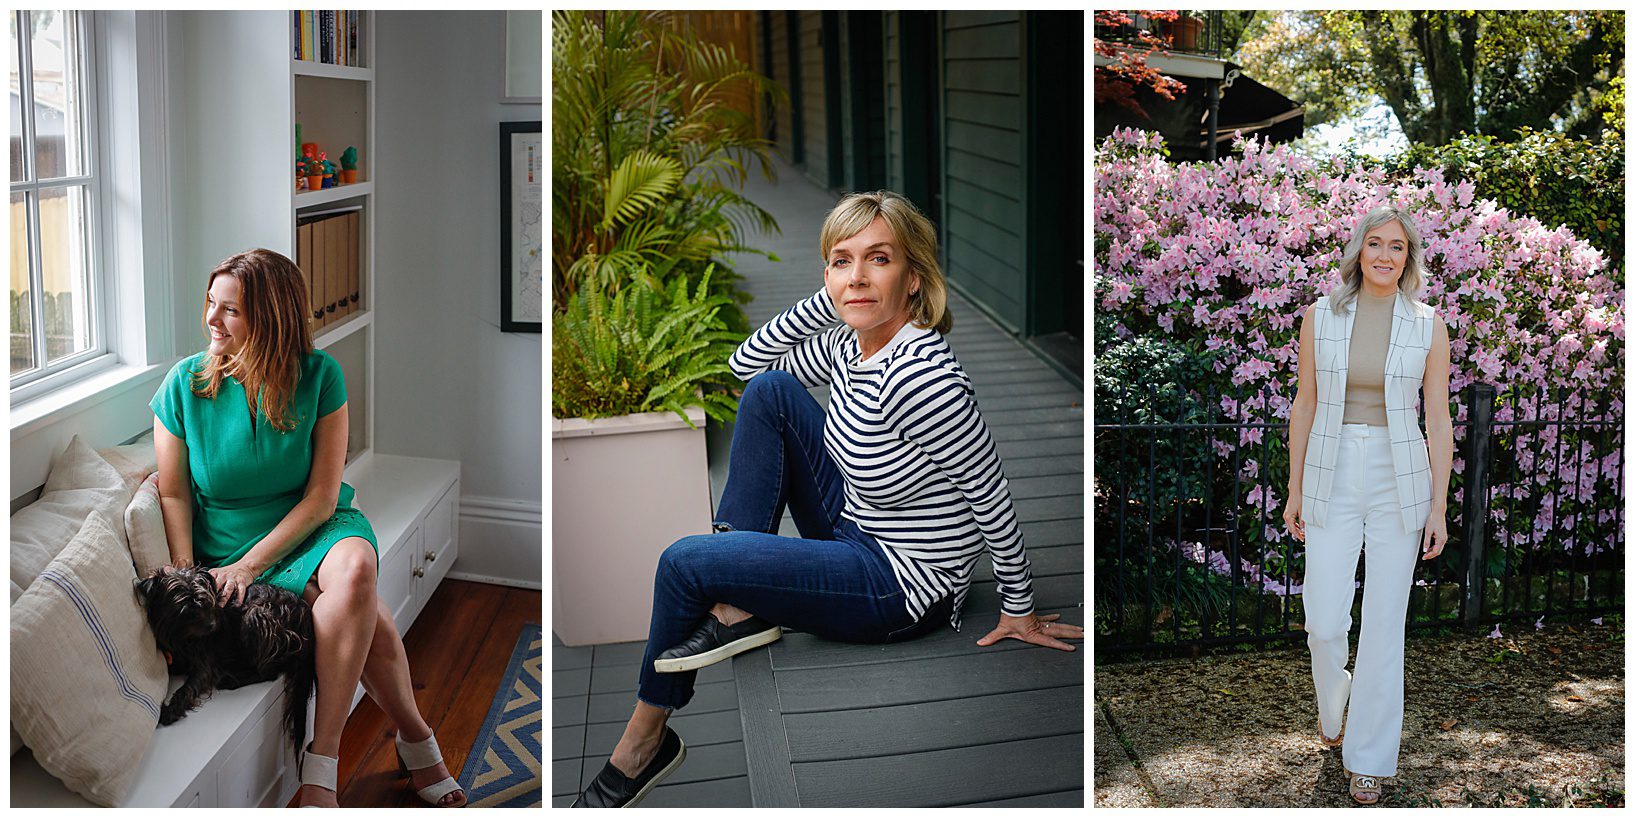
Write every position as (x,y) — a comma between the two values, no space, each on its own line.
(1366,349)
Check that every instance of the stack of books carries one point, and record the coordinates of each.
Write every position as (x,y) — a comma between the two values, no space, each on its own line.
(326,249)
(326,36)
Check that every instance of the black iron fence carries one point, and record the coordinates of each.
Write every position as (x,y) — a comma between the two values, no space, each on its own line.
(1191,552)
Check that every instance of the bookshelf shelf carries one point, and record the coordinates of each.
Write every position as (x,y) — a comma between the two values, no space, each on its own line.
(315,198)
(309,68)
(333,334)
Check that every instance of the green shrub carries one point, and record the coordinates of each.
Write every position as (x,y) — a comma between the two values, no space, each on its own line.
(1152,379)
(1554,178)
(649,154)
(643,351)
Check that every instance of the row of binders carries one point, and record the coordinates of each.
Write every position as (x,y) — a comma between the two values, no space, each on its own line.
(326,36)
(326,249)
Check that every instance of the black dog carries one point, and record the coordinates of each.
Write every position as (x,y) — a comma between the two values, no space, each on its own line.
(222,647)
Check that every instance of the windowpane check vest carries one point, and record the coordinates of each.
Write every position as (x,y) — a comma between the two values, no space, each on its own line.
(1412,324)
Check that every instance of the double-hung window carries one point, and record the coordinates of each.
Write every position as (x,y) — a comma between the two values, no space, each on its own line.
(59,320)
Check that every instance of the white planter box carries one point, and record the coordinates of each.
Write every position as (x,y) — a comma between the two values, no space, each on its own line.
(622,490)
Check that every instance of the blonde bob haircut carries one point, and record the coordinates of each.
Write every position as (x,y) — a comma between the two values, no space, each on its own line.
(928,306)
(1351,263)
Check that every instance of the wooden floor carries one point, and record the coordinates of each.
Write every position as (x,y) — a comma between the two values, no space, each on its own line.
(458,650)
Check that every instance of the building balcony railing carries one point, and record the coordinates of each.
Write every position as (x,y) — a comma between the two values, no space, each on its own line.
(1194,32)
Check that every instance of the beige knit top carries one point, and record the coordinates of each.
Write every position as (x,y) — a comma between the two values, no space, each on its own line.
(1365,369)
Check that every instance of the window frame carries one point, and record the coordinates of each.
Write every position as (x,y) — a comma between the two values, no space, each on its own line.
(48,377)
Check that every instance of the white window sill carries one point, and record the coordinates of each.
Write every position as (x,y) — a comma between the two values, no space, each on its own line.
(81,395)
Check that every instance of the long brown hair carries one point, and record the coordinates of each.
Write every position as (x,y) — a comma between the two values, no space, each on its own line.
(268,365)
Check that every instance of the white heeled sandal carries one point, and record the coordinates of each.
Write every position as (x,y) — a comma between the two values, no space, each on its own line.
(319,771)
(422,754)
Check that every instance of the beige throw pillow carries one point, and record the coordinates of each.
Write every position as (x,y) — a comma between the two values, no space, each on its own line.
(82,483)
(145,528)
(133,461)
(87,680)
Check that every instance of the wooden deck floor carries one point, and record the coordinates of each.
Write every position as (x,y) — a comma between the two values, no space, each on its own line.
(934,721)
(593,690)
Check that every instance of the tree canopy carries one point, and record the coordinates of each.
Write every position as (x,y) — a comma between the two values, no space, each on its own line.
(1446,72)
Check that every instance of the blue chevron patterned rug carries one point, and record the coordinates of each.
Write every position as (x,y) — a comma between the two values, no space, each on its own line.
(503,767)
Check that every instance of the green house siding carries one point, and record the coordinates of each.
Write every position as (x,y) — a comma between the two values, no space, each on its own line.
(977,117)
(814,117)
(894,103)
(783,119)
(984,161)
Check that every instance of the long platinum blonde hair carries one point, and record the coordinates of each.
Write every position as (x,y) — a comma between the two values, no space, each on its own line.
(1351,263)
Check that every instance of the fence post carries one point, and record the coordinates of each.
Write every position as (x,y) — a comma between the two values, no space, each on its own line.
(1478,460)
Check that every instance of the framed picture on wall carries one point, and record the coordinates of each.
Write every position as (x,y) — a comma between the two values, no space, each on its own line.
(522,228)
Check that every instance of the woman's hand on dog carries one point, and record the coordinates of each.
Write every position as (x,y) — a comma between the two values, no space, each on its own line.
(232,582)
(1036,630)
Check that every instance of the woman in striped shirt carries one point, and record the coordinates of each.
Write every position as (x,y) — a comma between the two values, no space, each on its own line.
(896,488)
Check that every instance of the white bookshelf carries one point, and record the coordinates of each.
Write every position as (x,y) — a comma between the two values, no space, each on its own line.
(335,106)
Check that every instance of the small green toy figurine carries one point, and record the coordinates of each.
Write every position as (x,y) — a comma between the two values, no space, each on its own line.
(349,165)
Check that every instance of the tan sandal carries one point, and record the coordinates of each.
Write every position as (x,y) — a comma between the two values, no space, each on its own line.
(1365,785)
(1330,743)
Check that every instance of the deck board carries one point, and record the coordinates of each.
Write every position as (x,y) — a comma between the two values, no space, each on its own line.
(938,725)
(945,778)
(964,675)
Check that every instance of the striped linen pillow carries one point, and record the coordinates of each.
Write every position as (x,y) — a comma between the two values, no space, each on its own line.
(87,679)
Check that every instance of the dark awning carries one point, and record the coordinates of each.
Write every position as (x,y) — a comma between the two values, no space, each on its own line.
(1254,109)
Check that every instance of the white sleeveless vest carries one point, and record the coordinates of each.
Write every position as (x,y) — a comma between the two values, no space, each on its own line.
(1412,325)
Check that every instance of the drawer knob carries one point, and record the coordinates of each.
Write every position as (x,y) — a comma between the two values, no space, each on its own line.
(419,572)
(431,556)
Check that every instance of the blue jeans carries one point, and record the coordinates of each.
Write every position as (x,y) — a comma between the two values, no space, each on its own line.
(833,581)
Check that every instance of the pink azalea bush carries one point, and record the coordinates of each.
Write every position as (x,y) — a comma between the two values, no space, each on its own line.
(1231,253)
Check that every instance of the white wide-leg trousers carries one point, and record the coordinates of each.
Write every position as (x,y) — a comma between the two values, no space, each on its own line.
(1363,508)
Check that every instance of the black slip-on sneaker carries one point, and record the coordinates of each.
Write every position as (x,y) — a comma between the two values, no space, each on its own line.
(714,641)
(611,788)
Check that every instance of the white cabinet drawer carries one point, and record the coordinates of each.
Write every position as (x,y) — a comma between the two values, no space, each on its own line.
(248,776)
(440,520)
(440,549)
(395,584)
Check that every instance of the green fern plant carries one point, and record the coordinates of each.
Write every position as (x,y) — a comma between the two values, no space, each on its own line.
(643,350)
(650,150)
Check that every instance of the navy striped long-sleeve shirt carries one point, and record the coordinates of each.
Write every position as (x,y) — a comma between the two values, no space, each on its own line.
(922,473)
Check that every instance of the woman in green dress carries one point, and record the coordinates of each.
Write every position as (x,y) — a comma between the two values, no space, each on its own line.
(251,438)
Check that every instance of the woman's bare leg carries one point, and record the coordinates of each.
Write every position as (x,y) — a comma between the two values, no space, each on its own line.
(642,736)
(727,614)
(386,680)
(343,628)
(645,730)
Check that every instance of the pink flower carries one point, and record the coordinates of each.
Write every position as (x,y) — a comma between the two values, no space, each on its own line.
(1240,247)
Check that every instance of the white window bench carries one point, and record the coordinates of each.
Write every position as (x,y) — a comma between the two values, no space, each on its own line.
(231,751)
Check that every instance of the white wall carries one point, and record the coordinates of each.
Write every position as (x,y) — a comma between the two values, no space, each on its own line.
(448,383)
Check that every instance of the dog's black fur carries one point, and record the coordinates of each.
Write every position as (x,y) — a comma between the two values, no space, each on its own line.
(222,647)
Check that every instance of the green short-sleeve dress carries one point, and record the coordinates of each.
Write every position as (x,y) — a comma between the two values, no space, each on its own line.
(247,476)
